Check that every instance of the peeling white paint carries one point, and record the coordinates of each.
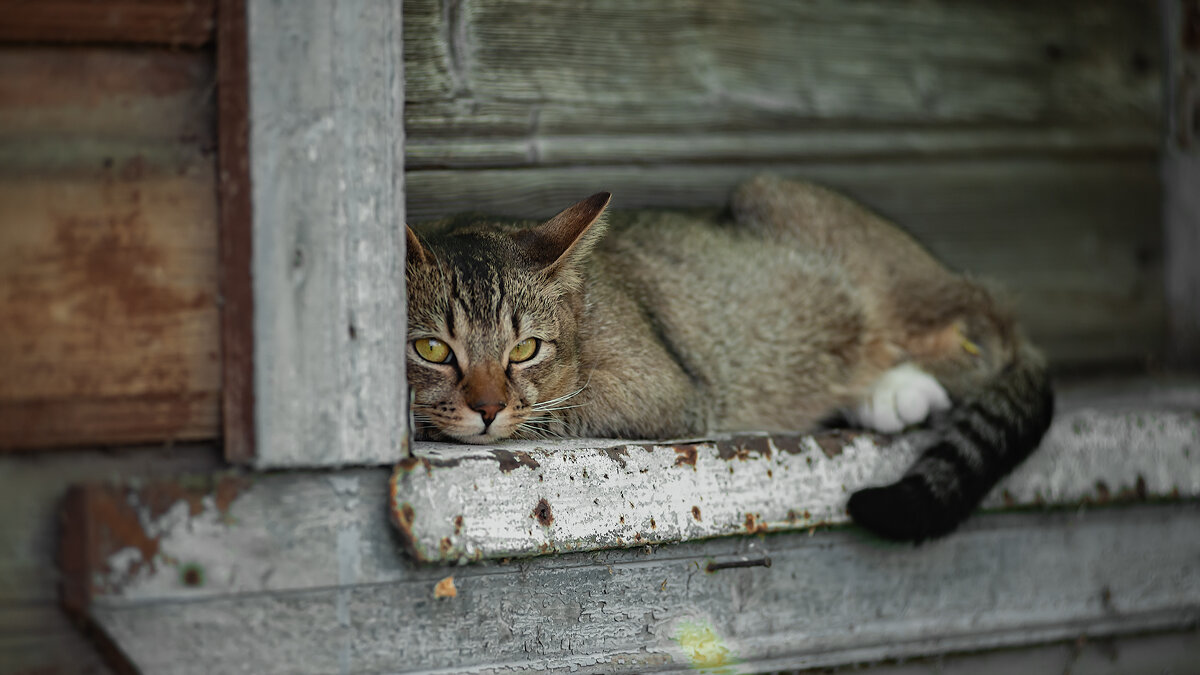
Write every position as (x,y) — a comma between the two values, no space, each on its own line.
(472,502)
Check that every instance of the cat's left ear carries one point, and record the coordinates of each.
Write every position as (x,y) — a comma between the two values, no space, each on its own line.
(568,237)
(414,251)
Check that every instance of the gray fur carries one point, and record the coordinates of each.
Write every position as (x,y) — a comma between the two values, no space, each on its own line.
(673,324)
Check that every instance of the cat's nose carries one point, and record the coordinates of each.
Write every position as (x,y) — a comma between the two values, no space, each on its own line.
(487,409)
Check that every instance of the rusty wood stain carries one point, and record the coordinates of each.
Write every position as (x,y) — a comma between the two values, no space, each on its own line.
(191,575)
(686,454)
(618,455)
(696,512)
(120,22)
(755,524)
(542,513)
(101,520)
(744,447)
(511,460)
(831,443)
(445,545)
(790,443)
(458,525)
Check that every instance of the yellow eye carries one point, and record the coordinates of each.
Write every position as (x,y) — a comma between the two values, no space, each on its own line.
(433,350)
(524,350)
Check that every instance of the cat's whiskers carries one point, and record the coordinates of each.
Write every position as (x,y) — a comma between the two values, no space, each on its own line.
(552,404)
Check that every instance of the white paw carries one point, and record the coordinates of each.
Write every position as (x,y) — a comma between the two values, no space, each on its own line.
(904,395)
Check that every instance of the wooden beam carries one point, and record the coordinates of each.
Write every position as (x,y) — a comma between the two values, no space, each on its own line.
(326,151)
(307,564)
(175,23)
(836,598)
(236,235)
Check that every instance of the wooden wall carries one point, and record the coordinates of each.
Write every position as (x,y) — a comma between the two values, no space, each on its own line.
(108,246)
(1017,139)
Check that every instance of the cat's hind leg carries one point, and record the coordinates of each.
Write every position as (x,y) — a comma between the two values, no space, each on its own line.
(902,397)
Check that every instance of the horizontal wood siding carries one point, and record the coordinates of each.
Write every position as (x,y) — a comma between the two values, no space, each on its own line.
(168,22)
(1017,140)
(108,247)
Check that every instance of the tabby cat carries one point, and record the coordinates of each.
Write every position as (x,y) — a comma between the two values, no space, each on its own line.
(795,306)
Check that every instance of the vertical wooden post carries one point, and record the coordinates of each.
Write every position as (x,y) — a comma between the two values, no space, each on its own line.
(237,300)
(326,101)
(1181,175)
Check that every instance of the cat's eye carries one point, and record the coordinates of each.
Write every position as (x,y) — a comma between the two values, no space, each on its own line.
(433,350)
(524,350)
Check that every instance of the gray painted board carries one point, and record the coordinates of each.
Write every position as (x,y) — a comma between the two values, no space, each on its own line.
(326,148)
(303,572)
(1181,175)
(833,598)
(542,66)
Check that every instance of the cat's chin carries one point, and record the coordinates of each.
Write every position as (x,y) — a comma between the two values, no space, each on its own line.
(478,439)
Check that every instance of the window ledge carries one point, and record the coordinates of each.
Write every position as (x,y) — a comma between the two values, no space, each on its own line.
(456,503)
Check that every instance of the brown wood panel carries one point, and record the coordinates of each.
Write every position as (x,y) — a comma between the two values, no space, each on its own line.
(236,236)
(108,248)
(167,22)
(1078,243)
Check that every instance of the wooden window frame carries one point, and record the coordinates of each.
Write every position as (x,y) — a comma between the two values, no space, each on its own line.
(311,101)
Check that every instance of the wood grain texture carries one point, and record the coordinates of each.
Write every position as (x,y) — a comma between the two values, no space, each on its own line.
(1017,140)
(1076,243)
(727,64)
(326,148)
(36,635)
(236,234)
(833,599)
(538,498)
(1181,176)
(301,571)
(107,248)
(621,81)
(177,23)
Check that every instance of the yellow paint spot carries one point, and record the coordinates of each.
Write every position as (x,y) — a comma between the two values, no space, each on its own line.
(702,647)
(445,588)
(968,346)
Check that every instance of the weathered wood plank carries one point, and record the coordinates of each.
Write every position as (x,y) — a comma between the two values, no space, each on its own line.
(827,600)
(326,149)
(1076,243)
(1181,176)
(236,234)
(178,23)
(469,151)
(36,636)
(107,251)
(1003,580)
(532,498)
(302,572)
(706,65)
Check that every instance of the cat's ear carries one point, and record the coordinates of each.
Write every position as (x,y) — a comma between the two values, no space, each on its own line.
(414,251)
(567,237)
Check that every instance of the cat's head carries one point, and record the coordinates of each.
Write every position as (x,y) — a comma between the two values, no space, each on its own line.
(493,316)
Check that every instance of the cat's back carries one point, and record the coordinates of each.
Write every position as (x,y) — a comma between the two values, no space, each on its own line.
(758,321)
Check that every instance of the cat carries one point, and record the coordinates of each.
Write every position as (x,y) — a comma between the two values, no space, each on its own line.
(792,307)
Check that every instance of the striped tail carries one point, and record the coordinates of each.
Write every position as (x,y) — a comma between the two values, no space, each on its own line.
(981,440)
